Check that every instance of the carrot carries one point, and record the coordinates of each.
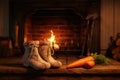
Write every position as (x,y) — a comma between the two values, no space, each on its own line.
(89,64)
(80,62)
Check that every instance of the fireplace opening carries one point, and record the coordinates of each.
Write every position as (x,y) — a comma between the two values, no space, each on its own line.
(72,29)
(68,27)
(33,20)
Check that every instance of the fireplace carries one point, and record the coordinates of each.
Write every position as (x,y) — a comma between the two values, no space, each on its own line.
(67,26)
(68,22)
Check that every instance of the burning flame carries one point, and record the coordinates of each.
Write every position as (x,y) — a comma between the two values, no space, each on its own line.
(52,41)
(52,37)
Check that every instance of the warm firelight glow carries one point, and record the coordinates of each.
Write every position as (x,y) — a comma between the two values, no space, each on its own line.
(52,41)
(25,39)
(52,38)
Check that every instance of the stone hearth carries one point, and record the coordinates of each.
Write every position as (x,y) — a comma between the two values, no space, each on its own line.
(12,69)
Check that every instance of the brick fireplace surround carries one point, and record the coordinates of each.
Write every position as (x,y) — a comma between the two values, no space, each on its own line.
(30,19)
(67,26)
(34,19)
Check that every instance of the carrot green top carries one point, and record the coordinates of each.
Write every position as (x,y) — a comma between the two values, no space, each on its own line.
(100,58)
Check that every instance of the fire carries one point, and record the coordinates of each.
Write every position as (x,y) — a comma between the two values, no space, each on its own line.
(52,38)
(52,41)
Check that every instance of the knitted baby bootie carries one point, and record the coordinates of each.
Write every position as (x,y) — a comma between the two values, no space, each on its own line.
(33,58)
(45,52)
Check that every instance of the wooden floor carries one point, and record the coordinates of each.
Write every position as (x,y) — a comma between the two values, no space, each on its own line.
(11,68)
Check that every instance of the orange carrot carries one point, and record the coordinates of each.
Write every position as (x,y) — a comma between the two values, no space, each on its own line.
(80,62)
(89,64)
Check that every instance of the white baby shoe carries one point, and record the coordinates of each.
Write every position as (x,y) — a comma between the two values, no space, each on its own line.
(45,52)
(32,58)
